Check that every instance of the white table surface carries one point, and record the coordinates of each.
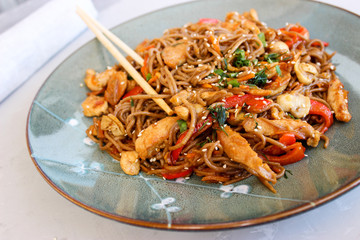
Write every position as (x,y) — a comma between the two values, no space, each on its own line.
(31,209)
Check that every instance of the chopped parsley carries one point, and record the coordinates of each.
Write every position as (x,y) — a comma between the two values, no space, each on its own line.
(259,79)
(132,102)
(182,125)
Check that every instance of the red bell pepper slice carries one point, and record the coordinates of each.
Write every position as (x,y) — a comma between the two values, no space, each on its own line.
(170,176)
(135,91)
(208,21)
(286,139)
(199,128)
(316,44)
(296,153)
(254,103)
(294,37)
(318,108)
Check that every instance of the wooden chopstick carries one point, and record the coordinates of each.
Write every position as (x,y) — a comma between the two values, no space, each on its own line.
(111,36)
(122,60)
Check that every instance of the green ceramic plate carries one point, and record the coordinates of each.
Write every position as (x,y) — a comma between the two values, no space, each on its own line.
(90,178)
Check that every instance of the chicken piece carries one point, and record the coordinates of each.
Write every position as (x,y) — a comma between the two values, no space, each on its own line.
(175,55)
(295,103)
(112,124)
(116,87)
(267,127)
(177,98)
(278,47)
(153,137)
(97,81)
(130,163)
(338,99)
(94,106)
(239,150)
(182,112)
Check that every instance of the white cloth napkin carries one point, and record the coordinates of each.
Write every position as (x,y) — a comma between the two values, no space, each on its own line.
(29,44)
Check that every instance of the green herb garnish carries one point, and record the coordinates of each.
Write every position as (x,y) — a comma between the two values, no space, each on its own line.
(207,140)
(182,125)
(220,115)
(287,171)
(207,120)
(132,102)
(225,63)
(259,79)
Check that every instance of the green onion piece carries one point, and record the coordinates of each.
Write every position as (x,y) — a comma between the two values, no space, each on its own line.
(234,83)
(262,38)
(278,70)
(182,125)
(148,76)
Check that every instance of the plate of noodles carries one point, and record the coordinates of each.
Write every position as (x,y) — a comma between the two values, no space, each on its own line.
(263,124)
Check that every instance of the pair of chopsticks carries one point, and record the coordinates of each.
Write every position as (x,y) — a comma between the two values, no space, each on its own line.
(100,33)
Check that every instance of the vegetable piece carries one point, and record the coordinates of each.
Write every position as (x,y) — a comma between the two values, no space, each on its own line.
(254,103)
(184,173)
(294,37)
(296,153)
(233,83)
(318,108)
(182,125)
(208,21)
(240,59)
(144,69)
(135,91)
(262,38)
(317,44)
(199,128)
(287,139)
(272,57)
(259,79)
